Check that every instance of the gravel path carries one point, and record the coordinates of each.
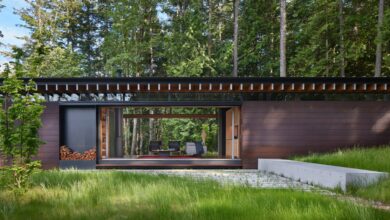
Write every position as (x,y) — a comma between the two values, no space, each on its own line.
(253,178)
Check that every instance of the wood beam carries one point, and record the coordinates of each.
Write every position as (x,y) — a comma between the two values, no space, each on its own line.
(204,116)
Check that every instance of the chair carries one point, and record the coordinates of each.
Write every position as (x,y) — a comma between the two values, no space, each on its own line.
(199,147)
(190,148)
(194,148)
(155,145)
(174,145)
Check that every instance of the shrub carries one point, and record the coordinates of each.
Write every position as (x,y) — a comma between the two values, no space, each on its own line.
(17,177)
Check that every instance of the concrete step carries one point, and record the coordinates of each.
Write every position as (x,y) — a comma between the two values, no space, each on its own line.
(322,175)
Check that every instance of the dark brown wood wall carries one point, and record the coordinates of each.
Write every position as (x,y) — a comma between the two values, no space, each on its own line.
(50,134)
(282,129)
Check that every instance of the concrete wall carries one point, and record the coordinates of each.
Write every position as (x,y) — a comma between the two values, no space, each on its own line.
(275,129)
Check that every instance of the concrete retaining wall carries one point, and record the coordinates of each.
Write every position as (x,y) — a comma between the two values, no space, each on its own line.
(321,175)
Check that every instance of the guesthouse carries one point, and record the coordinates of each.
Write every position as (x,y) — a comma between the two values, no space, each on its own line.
(87,121)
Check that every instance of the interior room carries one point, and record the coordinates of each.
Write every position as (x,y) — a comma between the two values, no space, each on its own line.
(168,132)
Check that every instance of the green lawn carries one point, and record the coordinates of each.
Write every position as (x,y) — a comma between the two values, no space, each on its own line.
(120,195)
(377,159)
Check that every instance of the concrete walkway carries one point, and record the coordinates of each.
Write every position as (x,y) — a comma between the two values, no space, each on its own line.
(252,178)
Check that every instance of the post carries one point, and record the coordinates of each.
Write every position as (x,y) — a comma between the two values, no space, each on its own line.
(232,133)
(107,134)
(221,133)
(118,132)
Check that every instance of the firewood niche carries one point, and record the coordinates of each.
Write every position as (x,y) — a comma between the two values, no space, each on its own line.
(66,153)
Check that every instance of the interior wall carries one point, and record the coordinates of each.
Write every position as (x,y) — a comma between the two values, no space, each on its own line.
(283,129)
(229,130)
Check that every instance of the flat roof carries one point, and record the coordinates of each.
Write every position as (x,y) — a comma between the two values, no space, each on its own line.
(212,85)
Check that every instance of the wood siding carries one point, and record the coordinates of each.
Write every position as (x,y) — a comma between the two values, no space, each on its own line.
(283,129)
(228,134)
(50,134)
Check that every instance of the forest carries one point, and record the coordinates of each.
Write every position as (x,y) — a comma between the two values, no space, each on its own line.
(203,38)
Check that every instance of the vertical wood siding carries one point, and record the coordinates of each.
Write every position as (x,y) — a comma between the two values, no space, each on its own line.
(283,129)
(228,133)
(50,133)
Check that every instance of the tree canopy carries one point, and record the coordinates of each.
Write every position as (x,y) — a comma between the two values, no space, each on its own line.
(197,38)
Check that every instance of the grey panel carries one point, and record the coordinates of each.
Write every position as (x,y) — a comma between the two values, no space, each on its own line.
(78,164)
(80,128)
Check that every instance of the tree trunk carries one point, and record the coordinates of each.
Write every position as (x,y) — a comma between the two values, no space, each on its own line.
(235,38)
(272,49)
(134,137)
(220,11)
(283,38)
(151,126)
(342,50)
(152,64)
(378,60)
(326,40)
(210,35)
(129,136)
(126,134)
(141,138)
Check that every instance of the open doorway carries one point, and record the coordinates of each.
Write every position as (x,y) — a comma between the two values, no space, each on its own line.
(168,133)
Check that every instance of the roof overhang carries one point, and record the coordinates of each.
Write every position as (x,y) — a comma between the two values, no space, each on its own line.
(212,85)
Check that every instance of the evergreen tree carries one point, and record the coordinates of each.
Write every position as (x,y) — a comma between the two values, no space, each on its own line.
(259,51)
(314,39)
(186,49)
(43,20)
(235,37)
(378,60)
(133,38)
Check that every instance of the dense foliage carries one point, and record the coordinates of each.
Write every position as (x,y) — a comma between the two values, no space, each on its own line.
(20,120)
(169,129)
(195,38)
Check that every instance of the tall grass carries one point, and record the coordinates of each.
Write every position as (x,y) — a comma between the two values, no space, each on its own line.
(121,195)
(377,159)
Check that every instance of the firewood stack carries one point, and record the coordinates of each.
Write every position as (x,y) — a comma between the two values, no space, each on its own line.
(67,153)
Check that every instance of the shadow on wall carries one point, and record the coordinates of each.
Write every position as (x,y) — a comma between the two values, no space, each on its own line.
(382,124)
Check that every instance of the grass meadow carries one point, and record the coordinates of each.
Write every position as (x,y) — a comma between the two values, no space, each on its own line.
(122,195)
(377,159)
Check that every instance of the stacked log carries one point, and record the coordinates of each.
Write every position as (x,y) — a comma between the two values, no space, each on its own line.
(66,153)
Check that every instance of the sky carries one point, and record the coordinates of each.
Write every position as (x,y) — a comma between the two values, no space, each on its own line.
(8,26)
